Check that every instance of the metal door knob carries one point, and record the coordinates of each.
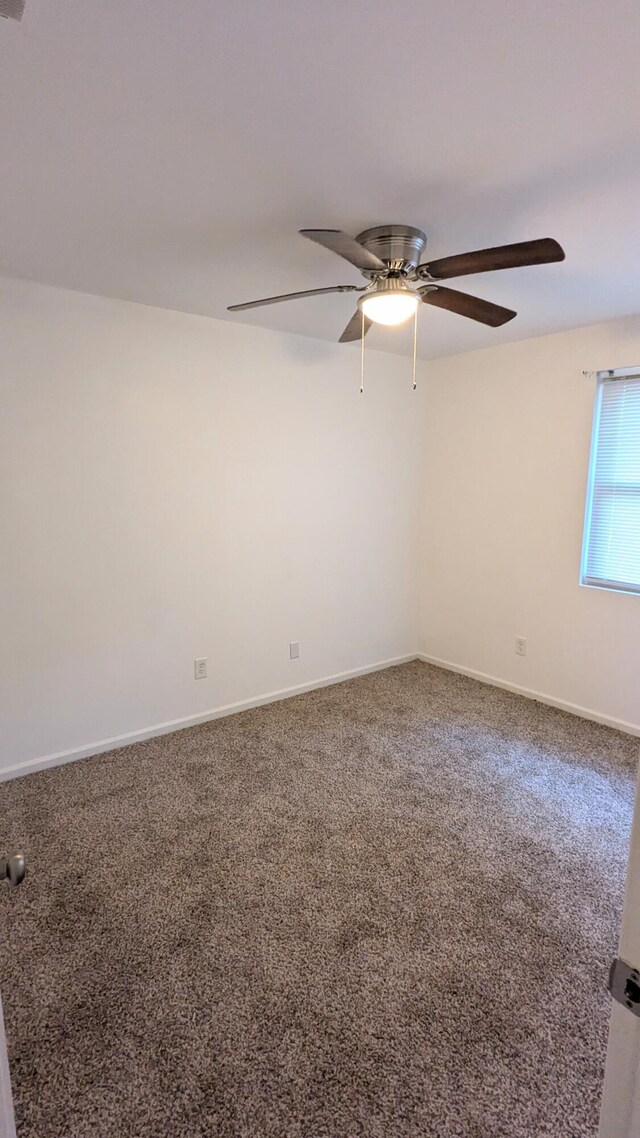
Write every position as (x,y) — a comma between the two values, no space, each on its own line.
(13,869)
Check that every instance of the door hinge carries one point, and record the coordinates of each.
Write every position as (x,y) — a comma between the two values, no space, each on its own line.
(624,985)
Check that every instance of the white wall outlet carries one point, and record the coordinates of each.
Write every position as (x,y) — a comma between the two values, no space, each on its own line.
(521,645)
(200,668)
(294,650)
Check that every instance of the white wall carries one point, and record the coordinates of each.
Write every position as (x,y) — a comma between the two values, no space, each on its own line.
(506,452)
(174,487)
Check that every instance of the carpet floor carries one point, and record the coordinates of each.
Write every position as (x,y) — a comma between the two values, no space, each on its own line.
(384,909)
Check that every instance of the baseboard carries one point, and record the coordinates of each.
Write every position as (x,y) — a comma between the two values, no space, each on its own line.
(29,766)
(529,693)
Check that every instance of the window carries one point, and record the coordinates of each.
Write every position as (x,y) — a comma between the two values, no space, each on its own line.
(611,551)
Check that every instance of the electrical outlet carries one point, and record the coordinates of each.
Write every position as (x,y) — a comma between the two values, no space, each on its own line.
(200,668)
(294,650)
(521,645)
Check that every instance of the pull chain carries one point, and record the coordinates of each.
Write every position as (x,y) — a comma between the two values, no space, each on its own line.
(362,355)
(415,351)
(415,347)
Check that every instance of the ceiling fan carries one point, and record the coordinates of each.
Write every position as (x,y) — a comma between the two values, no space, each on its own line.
(388,256)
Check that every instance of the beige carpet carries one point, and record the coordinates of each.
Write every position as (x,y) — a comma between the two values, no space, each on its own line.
(384,909)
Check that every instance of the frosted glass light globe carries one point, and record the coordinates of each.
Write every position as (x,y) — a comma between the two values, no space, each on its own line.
(389,305)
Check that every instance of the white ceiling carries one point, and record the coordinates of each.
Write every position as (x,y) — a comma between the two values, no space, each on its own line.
(167,151)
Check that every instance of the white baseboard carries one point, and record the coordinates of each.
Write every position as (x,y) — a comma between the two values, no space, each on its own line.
(529,693)
(116,741)
(29,766)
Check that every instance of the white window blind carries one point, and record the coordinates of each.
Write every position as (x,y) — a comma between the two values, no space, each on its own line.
(611,553)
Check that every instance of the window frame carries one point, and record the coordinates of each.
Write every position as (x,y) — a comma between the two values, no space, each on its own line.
(611,375)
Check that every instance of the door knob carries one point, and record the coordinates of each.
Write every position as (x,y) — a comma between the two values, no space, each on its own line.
(13,869)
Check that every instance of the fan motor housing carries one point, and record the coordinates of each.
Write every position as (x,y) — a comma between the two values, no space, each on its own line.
(400,246)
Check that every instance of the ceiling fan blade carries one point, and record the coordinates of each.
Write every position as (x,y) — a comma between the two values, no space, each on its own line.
(292,296)
(472,306)
(353,331)
(541,252)
(345,246)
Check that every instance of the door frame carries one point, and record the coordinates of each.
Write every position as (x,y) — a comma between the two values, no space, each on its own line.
(7,1120)
(620,1114)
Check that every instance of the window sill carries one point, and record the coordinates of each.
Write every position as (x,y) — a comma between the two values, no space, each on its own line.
(627,591)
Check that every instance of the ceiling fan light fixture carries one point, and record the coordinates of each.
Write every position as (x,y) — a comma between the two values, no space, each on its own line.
(390,302)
